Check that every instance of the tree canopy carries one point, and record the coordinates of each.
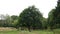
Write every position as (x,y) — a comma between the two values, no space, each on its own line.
(30,18)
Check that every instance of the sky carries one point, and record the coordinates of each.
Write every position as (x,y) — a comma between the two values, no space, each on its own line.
(15,7)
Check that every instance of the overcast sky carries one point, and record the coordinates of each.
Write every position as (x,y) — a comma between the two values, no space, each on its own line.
(15,7)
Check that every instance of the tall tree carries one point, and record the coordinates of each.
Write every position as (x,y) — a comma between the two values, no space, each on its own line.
(57,15)
(51,19)
(54,17)
(30,18)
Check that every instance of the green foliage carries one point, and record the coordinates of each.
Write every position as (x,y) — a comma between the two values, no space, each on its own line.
(54,17)
(51,18)
(14,20)
(30,17)
(8,21)
(44,23)
(14,17)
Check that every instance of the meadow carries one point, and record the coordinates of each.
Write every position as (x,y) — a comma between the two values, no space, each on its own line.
(15,31)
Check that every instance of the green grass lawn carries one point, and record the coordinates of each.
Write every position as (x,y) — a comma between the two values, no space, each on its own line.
(32,32)
(26,32)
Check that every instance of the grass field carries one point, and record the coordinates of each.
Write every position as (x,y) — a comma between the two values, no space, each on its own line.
(25,32)
(14,31)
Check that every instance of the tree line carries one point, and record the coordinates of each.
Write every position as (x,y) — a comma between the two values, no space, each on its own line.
(7,21)
(32,18)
